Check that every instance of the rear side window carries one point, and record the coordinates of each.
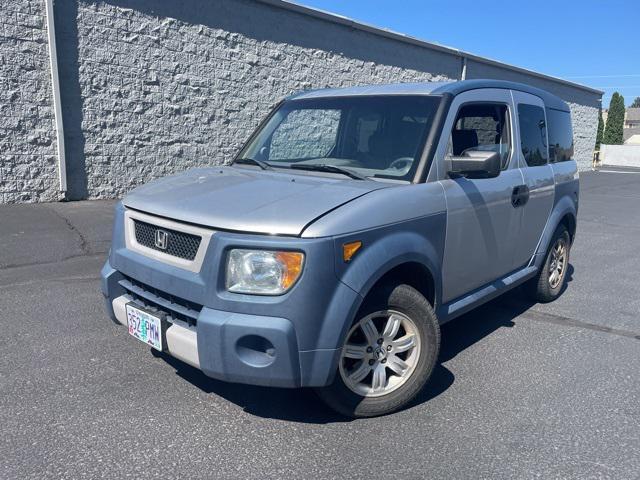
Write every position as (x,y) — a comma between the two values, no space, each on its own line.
(560,135)
(533,134)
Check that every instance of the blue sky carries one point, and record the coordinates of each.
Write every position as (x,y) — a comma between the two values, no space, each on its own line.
(594,42)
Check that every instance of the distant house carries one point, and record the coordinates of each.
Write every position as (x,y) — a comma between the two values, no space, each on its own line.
(631,131)
(632,118)
(631,136)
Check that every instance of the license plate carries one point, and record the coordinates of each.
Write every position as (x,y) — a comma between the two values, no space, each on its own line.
(145,326)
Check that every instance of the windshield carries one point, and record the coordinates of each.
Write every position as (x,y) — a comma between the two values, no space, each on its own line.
(380,136)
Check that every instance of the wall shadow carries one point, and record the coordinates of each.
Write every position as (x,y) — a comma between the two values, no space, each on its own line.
(302,405)
(66,13)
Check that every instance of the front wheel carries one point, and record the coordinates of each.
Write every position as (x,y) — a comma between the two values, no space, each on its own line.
(388,355)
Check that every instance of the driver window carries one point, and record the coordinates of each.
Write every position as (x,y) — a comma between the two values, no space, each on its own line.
(482,127)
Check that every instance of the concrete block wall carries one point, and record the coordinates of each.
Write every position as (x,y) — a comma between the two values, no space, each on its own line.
(171,85)
(152,87)
(28,157)
(305,133)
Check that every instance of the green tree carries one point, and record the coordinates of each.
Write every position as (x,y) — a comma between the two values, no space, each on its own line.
(615,121)
(636,103)
(600,130)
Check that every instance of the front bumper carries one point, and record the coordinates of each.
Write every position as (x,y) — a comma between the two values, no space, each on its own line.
(288,341)
(238,348)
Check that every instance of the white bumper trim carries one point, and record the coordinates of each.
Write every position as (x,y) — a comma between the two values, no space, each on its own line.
(182,340)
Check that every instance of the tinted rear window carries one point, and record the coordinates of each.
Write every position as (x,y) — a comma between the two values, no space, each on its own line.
(533,134)
(560,135)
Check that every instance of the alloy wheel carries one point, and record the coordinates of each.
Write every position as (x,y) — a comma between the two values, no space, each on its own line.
(380,353)
(558,262)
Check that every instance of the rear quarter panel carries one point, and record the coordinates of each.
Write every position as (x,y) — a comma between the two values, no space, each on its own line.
(566,200)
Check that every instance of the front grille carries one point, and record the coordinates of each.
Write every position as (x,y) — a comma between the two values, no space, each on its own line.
(179,244)
(148,296)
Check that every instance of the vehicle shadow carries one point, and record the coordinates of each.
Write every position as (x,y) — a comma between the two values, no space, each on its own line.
(293,405)
(302,405)
(468,329)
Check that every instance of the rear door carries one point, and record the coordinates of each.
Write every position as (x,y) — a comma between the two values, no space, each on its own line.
(533,159)
(482,224)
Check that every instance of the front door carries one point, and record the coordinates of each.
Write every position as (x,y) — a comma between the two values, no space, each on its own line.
(533,160)
(482,222)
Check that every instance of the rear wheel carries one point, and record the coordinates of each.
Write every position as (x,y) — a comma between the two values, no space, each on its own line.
(388,355)
(548,284)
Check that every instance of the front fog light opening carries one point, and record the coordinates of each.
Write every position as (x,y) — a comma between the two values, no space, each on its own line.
(255,351)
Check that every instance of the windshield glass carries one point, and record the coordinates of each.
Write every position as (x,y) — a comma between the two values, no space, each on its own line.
(379,136)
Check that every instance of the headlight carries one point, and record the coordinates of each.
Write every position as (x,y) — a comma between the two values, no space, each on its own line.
(262,272)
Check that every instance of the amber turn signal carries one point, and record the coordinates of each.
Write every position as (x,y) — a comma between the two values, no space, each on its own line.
(350,249)
(292,262)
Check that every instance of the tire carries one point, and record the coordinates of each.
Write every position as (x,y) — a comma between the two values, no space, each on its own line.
(401,317)
(543,287)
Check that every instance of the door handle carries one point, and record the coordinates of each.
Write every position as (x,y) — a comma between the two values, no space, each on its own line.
(519,196)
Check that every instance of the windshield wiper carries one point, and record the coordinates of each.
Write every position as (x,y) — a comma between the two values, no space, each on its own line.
(323,167)
(253,161)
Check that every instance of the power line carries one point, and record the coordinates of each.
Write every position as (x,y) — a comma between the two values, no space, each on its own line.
(619,87)
(603,76)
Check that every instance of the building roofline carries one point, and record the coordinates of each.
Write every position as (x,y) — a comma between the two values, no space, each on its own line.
(401,37)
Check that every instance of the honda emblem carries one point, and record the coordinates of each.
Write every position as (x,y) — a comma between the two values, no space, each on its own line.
(162,239)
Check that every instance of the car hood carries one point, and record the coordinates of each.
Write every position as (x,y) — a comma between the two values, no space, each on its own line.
(247,200)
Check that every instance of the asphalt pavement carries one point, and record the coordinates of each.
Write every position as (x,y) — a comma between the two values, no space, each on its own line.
(521,391)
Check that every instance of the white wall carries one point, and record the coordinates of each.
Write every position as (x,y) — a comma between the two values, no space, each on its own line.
(620,155)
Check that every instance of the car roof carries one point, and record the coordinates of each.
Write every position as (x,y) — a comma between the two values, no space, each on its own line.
(432,88)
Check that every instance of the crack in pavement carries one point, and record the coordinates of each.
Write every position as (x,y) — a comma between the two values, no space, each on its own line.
(566,321)
(608,224)
(51,262)
(84,244)
(69,279)
(86,249)
(8,275)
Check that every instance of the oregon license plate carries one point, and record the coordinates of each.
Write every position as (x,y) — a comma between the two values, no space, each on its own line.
(145,326)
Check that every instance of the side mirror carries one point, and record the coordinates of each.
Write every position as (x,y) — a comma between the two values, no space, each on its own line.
(475,164)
